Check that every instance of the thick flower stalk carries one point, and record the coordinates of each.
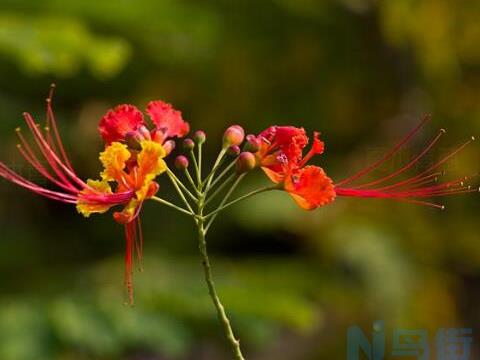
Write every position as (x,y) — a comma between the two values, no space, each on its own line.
(135,154)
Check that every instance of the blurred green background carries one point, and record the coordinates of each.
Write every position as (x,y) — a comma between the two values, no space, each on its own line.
(360,71)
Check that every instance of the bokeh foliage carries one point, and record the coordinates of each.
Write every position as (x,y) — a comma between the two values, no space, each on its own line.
(360,71)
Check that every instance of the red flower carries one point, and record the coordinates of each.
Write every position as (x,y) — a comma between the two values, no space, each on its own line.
(281,158)
(127,120)
(131,172)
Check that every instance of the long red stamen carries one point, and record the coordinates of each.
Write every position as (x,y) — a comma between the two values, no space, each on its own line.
(129,242)
(140,243)
(431,168)
(12,176)
(45,149)
(51,156)
(408,166)
(27,153)
(388,156)
(51,123)
(432,178)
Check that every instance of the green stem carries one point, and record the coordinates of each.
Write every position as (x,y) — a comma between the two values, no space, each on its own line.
(243,197)
(225,199)
(173,206)
(222,174)
(199,174)
(179,191)
(216,165)
(172,174)
(222,316)
(190,180)
(195,165)
(220,188)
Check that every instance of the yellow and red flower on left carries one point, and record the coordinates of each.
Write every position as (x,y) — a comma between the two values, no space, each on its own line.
(132,159)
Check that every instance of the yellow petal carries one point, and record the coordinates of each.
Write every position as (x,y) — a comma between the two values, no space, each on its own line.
(114,159)
(150,165)
(86,207)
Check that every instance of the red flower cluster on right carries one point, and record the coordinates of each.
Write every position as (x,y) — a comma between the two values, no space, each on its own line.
(280,156)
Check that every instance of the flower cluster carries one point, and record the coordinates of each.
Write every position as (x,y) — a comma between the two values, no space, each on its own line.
(135,152)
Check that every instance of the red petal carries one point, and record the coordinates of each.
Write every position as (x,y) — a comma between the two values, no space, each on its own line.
(118,122)
(310,187)
(167,119)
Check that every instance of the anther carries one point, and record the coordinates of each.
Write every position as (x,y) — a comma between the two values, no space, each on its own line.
(442,207)
(473,138)
(19,146)
(443,131)
(18,129)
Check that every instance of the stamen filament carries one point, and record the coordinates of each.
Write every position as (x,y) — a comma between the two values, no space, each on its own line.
(388,156)
(407,166)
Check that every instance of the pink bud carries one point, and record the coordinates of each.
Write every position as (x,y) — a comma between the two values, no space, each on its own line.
(234,135)
(144,132)
(169,146)
(199,137)
(158,136)
(245,162)
(181,162)
(188,144)
(233,150)
(253,143)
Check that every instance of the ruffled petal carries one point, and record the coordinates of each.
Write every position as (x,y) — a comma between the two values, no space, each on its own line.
(281,150)
(310,187)
(114,160)
(150,165)
(167,119)
(117,123)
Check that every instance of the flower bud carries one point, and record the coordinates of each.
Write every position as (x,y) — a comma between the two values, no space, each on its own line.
(233,150)
(234,135)
(199,137)
(188,144)
(245,162)
(133,139)
(144,132)
(152,189)
(253,143)
(181,162)
(158,136)
(169,146)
